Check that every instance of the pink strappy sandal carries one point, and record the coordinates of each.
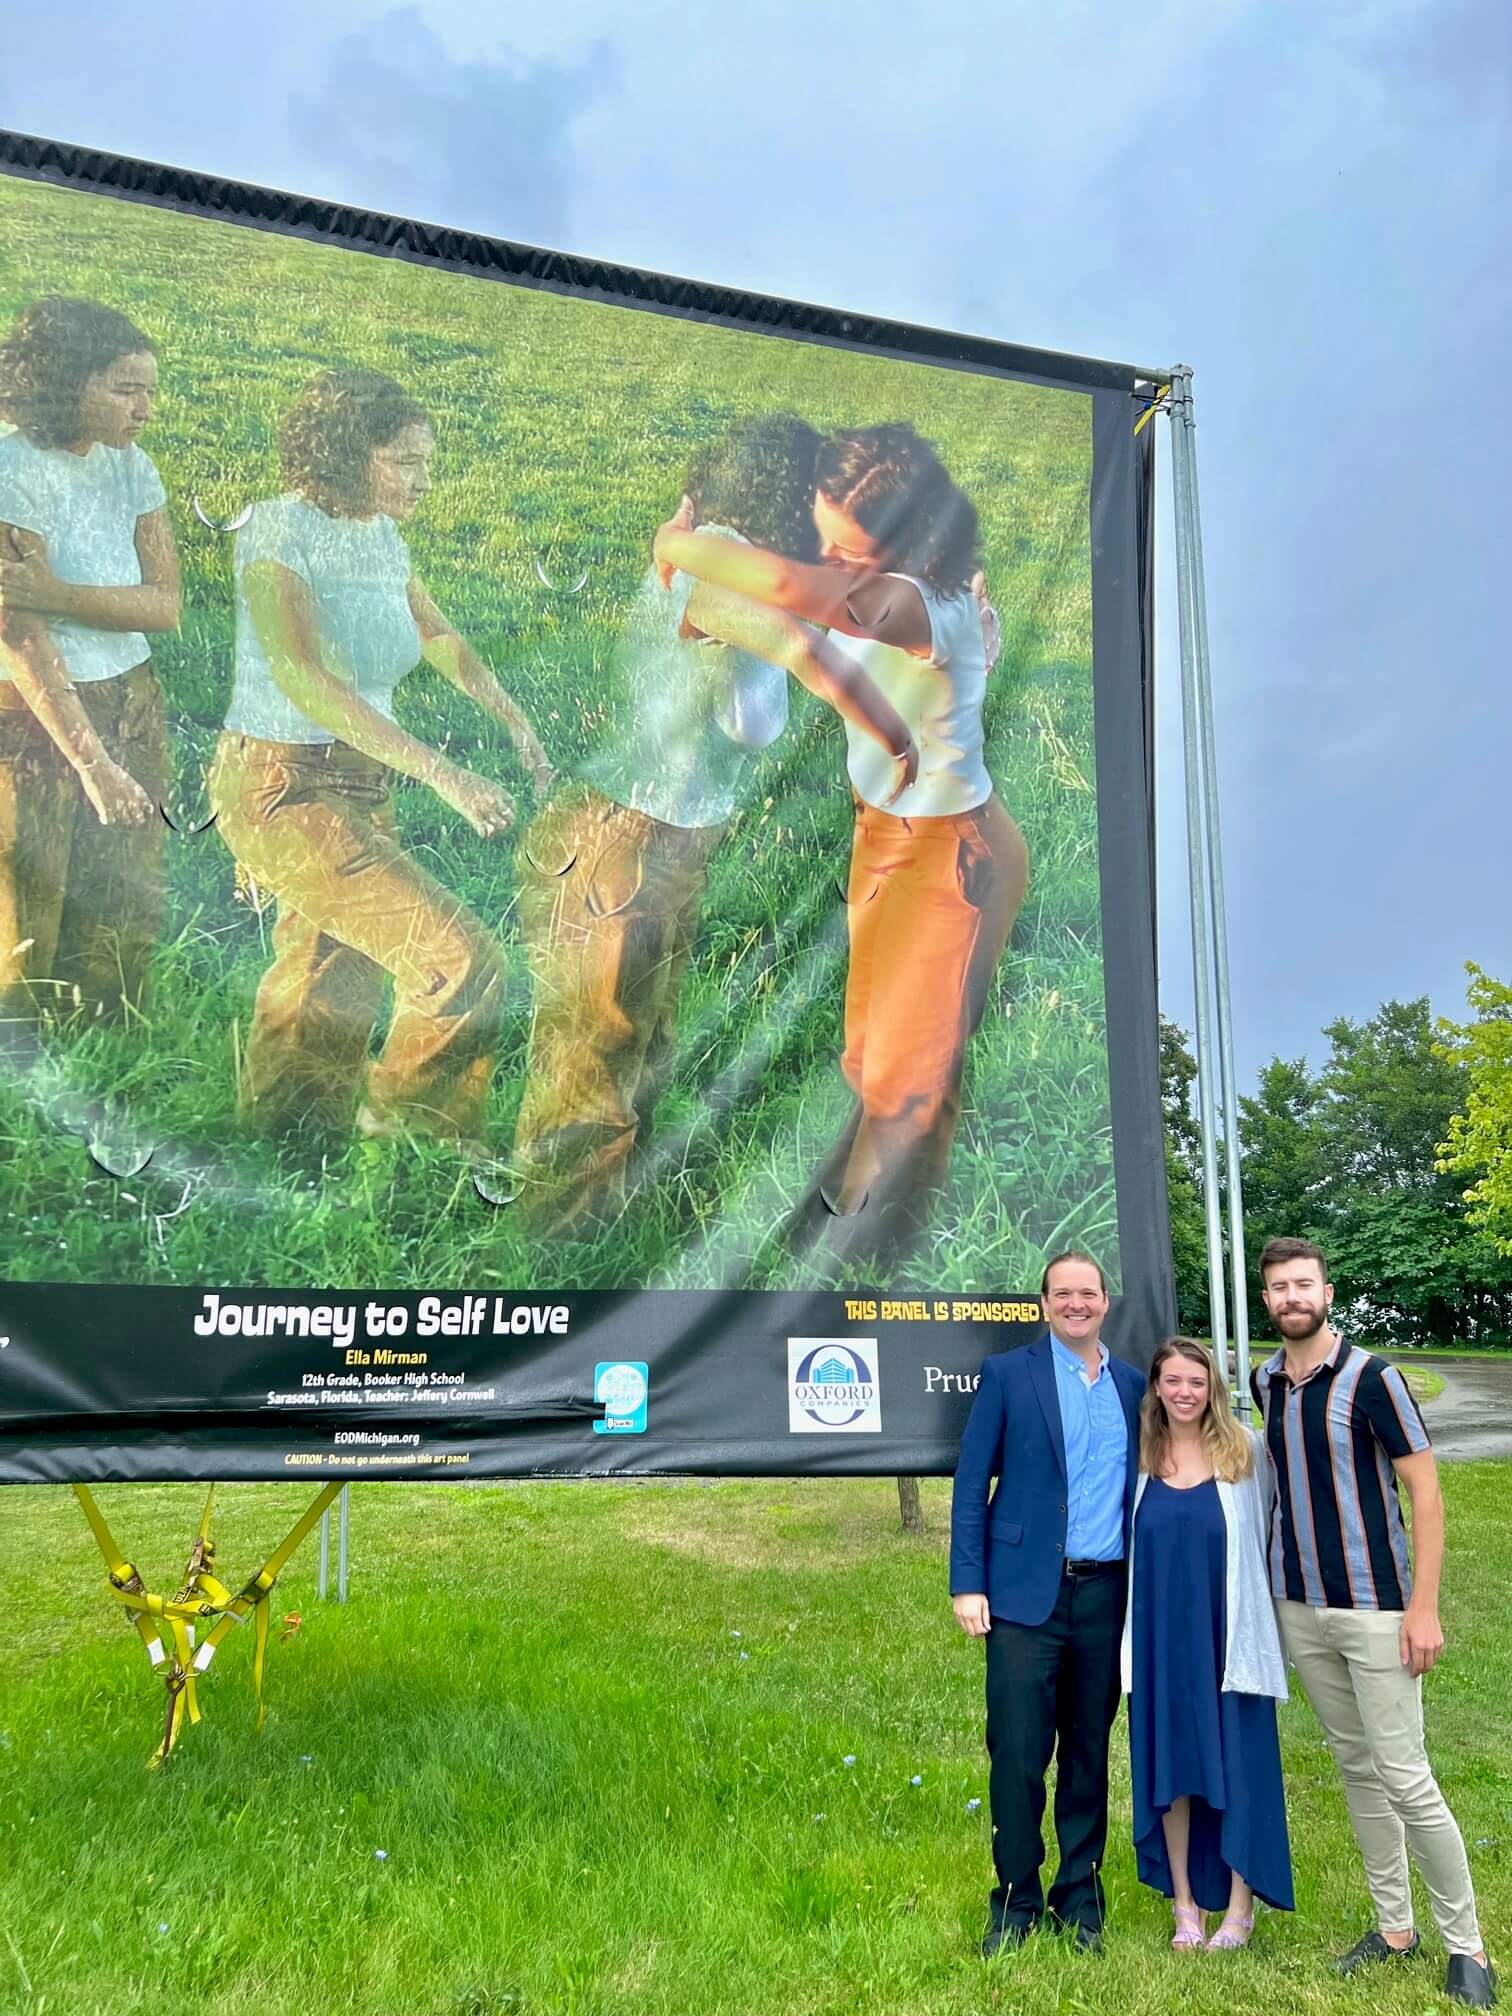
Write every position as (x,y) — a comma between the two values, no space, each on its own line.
(1190,1936)
(1232,1934)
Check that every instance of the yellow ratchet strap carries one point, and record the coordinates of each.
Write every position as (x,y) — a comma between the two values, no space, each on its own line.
(202,1596)
(1153,408)
(253,1599)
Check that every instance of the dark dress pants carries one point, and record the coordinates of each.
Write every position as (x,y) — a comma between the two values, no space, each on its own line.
(1053,1688)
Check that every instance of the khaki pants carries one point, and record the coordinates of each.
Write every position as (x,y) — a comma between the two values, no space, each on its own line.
(315,826)
(932,903)
(1350,1666)
(80,903)
(608,939)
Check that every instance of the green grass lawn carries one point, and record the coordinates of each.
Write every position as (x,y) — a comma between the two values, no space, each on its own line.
(564,430)
(599,1733)
(1423,1384)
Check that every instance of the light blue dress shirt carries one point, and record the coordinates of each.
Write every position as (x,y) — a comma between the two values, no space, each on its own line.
(1097,1456)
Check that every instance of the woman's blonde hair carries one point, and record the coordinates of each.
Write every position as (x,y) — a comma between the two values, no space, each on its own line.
(1227,1445)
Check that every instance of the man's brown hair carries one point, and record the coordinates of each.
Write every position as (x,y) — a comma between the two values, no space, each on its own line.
(1071,1253)
(1276,1252)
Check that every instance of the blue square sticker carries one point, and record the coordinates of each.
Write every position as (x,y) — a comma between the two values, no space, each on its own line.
(622,1387)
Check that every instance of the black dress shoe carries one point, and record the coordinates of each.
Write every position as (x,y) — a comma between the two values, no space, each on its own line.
(1470,1983)
(1009,1930)
(1084,1935)
(1371,1951)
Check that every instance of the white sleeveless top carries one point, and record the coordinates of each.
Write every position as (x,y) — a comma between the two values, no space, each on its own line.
(940,697)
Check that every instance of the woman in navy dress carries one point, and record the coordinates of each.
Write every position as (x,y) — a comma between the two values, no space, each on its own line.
(1202,1659)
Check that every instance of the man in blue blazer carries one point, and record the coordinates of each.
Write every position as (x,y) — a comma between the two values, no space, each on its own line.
(1037,1568)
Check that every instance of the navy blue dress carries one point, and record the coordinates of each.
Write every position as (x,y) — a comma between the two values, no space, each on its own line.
(1187,1738)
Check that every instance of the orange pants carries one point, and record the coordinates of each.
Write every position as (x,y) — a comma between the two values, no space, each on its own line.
(315,825)
(931,905)
(80,903)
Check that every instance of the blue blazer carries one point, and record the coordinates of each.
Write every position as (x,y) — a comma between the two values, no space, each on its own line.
(1013,1546)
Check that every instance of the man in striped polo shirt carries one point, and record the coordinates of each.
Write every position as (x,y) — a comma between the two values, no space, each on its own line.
(1342,1428)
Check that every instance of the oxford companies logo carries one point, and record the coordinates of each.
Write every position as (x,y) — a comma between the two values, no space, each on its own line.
(833,1386)
(623,1389)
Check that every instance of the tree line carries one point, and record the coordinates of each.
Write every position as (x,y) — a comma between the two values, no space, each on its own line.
(1394,1154)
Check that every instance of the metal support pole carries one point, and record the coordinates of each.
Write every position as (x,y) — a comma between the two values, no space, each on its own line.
(1228,1082)
(341,1544)
(323,1580)
(1208,1063)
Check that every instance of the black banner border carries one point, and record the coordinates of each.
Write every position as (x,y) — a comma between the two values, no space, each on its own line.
(320,218)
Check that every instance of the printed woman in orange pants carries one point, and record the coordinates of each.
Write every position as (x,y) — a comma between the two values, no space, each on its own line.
(701,679)
(938,875)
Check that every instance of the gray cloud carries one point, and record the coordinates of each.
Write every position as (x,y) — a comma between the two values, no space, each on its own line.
(362,103)
(171,83)
(484,143)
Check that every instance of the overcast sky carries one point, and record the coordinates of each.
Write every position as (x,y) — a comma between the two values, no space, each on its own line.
(1301,202)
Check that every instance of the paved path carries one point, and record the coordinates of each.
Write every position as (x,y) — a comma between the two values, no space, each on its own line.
(1473,1414)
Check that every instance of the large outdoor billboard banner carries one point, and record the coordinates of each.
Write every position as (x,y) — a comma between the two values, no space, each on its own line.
(575,853)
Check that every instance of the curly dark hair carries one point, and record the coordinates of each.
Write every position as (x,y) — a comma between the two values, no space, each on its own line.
(758,478)
(56,346)
(329,434)
(893,483)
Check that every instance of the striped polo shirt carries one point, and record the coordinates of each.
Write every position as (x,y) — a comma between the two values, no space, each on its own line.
(1337,1536)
